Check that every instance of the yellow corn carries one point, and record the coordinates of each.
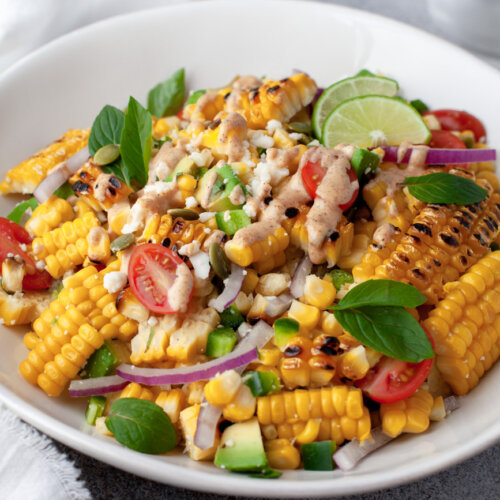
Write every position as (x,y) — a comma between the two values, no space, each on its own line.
(260,251)
(250,282)
(23,308)
(264,266)
(187,185)
(354,364)
(99,250)
(281,454)
(172,403)
(409,415)
(26,176)
(222,389)
(49,215)
(306,315)
(188,420)
(241,407)
(134,390)
(318,292)
(465,325)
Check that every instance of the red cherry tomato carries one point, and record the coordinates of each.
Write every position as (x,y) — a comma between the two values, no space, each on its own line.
(452,119)
(151,273)
(446,140)
(38,281)
(11,236)
(312,175)
(393,380)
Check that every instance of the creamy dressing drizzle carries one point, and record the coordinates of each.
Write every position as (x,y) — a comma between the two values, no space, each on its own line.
(232,133)
(383,234)
(179,292)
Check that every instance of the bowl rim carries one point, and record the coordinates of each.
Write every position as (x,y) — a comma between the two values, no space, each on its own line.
(112,453)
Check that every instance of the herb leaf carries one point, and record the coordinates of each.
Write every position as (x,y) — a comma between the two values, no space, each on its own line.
(167,97)
(381,293)
(193,98)
(135,142)
(141,425)
(442,187)
(19,210)
(64,191)
(106,129)
(390,330)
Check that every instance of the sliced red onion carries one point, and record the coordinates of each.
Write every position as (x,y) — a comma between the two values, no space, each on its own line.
(317,96)
(208,418)
(187,374)
(278,305)
(231,290)
(451,403)
(60,174)
(438,156)
(351,453)
(299,277)
(96,386)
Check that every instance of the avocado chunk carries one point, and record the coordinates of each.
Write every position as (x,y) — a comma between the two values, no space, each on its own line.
(241,448)
(185,166)
(284,330)
(364,162)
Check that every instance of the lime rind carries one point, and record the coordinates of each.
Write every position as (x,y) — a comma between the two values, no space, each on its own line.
(374,120)
(348,88)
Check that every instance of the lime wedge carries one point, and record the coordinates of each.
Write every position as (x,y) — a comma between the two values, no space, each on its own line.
(374,120)
(364,84)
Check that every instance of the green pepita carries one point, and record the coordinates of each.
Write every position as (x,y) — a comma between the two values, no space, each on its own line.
(122,242)
(185,213)
(107,154)
(300,127)
(218,261)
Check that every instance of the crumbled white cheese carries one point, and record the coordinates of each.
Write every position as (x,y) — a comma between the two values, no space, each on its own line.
(313,143)
(267,171)
(23,247)
(273,125)
(201,265)
(191,202)
(296,136)
(159,187)
(227,216)
(204,216)
(190,249)
(261,140)
(249,210)
(152,321)
(40,265)
(203,158)
(114,281)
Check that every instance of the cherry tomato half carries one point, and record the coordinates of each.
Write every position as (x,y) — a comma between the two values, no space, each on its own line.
(11,236)
(312,175)
(151,273)
(452,119)
(37,281)
(446,140)
(393,380)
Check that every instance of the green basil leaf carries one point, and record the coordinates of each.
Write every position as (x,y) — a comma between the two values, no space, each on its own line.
(19,210)
(135,142)
(193,98)
(393,331)
(64,191)
(106,129)
(381,293)
(141,425)
(442,187)
(167,97)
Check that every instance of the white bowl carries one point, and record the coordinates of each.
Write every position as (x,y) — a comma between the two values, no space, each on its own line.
(65,84)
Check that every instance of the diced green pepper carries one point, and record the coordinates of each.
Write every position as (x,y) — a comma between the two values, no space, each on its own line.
(262,383)
(284,330)
(95,409)
(105,359)
(364,161)
(318,455)
(340,277)
(231,317)
(419,105)
(220,342)
(232,220)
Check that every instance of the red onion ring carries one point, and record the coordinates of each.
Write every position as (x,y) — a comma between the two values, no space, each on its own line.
(231,290)
(96,386)
(438,156)
(299,277)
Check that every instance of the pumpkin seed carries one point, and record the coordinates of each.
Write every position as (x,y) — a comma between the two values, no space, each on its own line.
(122,242)
(218,261)
(300,127)
(107,154)
(185,213)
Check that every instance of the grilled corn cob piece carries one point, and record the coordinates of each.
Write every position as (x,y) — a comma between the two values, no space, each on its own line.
(188,421)
(26,176)
(22,308)
(65,247)
(316,414)
(100,190)
(49,215)
(276,100)
(409,415)
(99,250)
(134,390)
(465,325)
(172,403)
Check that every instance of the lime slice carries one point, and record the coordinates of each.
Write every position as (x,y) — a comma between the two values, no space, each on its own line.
(347,89)
(374,120)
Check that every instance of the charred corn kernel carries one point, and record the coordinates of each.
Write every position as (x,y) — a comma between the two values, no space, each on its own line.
(98,245)
(172,402)
(188,421)
(281,454)
(409,415)
(294,367)
(241,407)
(260,251)
(222,389)
(354,364)
(134,390)
(250,282)
(276,100)
(269,356)
(306,315)
(26,176)
(465,325)
(491,178)
(49,215)
(442,243)
(318,292)
(273,284)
